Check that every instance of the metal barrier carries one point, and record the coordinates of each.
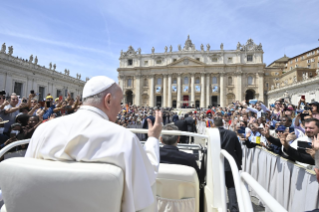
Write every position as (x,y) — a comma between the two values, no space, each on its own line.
(215,194)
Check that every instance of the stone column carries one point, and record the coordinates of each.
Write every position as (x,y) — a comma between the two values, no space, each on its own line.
(261,86)
(152,94)
(192,90)
(179,91)
(202,90)
(222,90)
(137,85)
(208,86)
(164,96)
(169,91)
(239,88)
(122,81)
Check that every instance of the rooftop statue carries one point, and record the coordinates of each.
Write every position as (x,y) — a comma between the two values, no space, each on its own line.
(208,47)
(50,65)
(54,67)
(36,60)
(189,46)
(179,48)
(10,50)
(165,49)
(238,46)
(202,47)
(170,48)
(221,46)
(3,48)
(139,50)
(153,50)
(31,58)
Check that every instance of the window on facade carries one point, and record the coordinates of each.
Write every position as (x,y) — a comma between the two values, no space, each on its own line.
(230,81)
(317,51)
(146,62)
(249,58)
(308,66)
(198,59)
(159,81)
(18,88)
(72,95)
(250,80)
(129,82)
(158,61)
(41,93)
(214,59)
(308,61)
(267,86)
(290,61)
(185,80)
(58,93)
(230,59)
(296,66)
(197,81)
(313,60)
(296,59)
(174,81)
(290,68)
(145,82)
(129,62)
(214,80)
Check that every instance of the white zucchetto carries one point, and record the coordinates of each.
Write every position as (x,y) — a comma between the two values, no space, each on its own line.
(96,85)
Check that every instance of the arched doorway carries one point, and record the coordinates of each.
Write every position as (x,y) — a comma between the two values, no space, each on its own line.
(197,104)
(250,94)
(129,97)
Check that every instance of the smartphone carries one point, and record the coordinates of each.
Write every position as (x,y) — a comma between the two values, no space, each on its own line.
(24,101)
(60,98)
(32,91)
(41,103)
(48,104)
(304,144)
(303,97)
(303,115)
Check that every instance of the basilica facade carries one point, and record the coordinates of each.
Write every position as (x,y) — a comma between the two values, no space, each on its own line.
(192,77)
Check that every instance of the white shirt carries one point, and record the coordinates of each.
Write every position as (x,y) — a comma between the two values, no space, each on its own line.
(88,135)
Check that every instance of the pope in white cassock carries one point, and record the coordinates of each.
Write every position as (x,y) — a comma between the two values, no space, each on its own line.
(91,135)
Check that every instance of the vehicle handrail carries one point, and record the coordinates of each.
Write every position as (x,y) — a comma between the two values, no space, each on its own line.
(234,169)
(262,193)
(170,132)
(14,144)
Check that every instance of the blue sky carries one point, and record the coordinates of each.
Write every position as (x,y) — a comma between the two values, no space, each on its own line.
(87,36)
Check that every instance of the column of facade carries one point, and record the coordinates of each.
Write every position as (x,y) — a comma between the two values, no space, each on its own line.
(239,95)
(207,90)
(164,96)
(152,94)
(122,80)
(179,91)
(137,86)
(222,90)
(169,91)
(261,86)
(192,90)
(202,90)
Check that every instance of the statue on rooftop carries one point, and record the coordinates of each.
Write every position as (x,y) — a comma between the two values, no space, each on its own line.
(170,48)
(3,48)
(36,60)
(139,50)
(179,48)
(31,58)
(50,65)
(165,49)
(54,66)
(202,47)
(221,46)
(208,47)
(238,46)
(10,50)
(153,50)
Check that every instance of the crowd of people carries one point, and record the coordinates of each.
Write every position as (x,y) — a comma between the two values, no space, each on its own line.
(19,117)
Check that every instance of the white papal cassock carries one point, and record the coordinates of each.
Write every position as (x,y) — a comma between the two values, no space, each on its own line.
(88,135)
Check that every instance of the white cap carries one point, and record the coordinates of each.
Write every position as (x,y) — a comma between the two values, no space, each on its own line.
(96,85)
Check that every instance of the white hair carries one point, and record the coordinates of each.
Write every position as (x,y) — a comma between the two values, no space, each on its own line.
(97,99)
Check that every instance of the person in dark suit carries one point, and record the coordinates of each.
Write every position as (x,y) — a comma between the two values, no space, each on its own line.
(191,127)
(145,124)
(230,143)
(169,153)
(175,118)
(182,126)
